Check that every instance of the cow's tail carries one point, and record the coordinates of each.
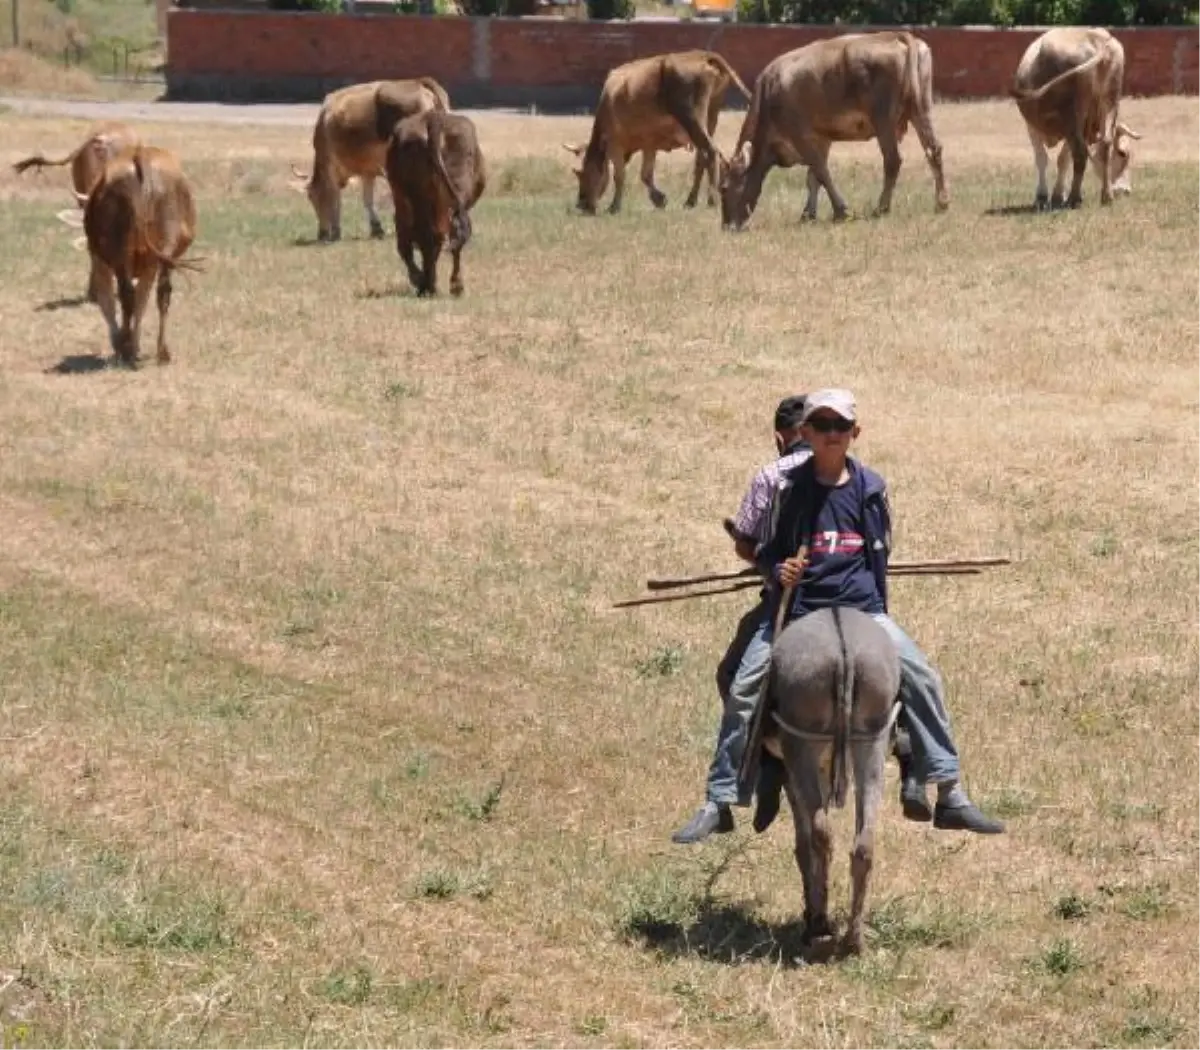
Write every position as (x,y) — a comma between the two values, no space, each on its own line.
(438,92)
(460,222)
(146,180)
(723,64)
(39,161)
(910,93)
(753,115)
(1023,95)
(839,774)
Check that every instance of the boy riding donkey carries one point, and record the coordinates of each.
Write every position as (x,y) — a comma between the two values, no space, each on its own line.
(835,509)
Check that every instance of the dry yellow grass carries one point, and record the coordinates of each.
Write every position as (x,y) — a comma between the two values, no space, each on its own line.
(318,726)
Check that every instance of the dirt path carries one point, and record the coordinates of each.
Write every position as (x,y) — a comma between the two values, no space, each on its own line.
(278,114)
(274,113)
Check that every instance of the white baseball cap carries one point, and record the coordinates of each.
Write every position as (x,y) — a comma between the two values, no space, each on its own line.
(833,398)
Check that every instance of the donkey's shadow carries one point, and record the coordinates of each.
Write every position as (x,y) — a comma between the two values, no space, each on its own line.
(78,364)
(730,933)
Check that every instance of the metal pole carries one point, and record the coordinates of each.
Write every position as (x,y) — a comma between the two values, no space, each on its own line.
(16,24)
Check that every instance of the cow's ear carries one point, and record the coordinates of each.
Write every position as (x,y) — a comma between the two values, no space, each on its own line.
(576,148)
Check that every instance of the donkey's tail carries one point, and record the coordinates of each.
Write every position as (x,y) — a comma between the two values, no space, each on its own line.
(839,768)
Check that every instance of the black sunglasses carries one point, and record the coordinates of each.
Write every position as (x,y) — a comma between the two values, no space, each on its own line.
(827,424)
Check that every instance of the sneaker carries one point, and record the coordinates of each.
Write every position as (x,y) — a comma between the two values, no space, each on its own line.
(965,818)
(711,817)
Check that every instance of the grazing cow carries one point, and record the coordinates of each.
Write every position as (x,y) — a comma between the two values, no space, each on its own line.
(139,219)
(848,88)
(436,173)
(104,141)
(651,105)
(1068,89)
(351,139)
(835,676)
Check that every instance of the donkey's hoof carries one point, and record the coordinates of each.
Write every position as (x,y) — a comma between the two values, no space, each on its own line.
(817,928)
(852,943)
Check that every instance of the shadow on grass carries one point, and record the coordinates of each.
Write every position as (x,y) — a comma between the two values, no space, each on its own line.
(1003,210)
(78,364)
(65,303)
(733,935)
(393,291)
(316,242)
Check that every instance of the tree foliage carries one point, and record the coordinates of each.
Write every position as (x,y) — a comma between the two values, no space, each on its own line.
(972,12)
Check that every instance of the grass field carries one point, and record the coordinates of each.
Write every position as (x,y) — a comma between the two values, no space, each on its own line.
(318,726)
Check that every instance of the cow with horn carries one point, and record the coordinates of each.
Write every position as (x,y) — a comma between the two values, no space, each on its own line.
(1068,89)
(87,160)
(653,105)
(350,139)
(139,221)
(849,88)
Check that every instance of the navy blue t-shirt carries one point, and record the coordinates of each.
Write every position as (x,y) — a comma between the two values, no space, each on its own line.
(837,572)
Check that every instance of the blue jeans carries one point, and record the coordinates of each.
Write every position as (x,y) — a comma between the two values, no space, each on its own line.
(934,755)
(740,684)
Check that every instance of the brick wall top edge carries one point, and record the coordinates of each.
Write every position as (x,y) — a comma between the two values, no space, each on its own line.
(223,13)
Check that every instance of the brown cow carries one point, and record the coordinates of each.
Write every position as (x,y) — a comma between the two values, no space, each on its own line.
(848,88)
(104,141)
(651,105)
(436,172)
(351,139)
(1068,89)
(140,219)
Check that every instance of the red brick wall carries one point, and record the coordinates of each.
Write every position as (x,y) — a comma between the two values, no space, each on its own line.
(555,62)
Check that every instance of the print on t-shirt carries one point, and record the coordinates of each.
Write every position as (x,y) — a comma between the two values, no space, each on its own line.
(837,572)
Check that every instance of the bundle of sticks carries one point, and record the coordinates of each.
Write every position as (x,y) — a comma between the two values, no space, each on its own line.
(749,577)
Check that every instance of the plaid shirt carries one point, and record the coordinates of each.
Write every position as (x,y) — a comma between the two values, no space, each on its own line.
(759,512)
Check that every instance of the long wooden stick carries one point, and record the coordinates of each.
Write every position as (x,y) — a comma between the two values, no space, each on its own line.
(688,581)
(951,564)
(742,585)
(655,599)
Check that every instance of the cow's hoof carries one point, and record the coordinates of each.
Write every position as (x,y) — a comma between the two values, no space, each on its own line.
(658,198)
(1074,202)
(1056,203)
(1041,202)
(943,204)
(377,231)
(456,290)
(164,356)
(842,216)
(809,216)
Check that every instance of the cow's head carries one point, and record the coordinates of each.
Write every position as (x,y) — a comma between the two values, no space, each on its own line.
(736,205)
(1120,159)
(322,194)
(592,175)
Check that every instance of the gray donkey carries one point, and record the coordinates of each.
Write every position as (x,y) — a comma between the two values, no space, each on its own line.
(835,675)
